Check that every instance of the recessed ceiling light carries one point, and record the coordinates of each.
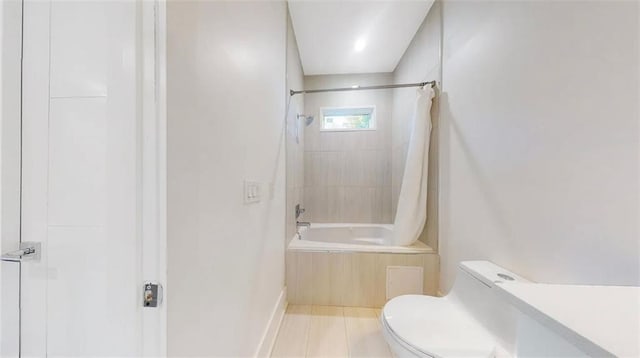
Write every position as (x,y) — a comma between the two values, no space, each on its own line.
(360,44)
(355,86)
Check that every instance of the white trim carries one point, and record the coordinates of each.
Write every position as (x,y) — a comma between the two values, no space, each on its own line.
(374,122)
(273,327)
(153,143)
(161,75)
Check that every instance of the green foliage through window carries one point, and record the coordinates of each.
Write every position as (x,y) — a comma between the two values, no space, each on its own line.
(343,119)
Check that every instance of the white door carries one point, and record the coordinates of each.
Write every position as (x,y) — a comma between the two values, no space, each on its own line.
(10,78)
(81,179)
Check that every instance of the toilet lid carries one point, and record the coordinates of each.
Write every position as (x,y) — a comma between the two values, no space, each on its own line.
(436,327)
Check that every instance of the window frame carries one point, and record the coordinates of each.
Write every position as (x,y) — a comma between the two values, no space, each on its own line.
(373,122)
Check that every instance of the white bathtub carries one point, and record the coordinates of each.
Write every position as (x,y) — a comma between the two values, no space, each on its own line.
(352,238)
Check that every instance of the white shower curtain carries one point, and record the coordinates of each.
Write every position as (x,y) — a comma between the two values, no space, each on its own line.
(411,214)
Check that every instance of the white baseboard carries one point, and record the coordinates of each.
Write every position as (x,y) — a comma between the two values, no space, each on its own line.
(271,332)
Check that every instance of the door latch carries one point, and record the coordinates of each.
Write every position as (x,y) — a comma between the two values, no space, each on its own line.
(152,294)
(29,250)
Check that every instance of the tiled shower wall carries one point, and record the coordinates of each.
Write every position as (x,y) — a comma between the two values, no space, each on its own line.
(421,62)
(294,134)
(347,175)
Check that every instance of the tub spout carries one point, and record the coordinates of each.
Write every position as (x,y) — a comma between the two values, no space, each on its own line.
(300,224)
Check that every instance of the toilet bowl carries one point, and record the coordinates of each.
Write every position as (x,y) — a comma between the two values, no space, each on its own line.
(423,326)
(471,321)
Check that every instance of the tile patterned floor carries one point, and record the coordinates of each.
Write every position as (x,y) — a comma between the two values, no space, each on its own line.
(329,331)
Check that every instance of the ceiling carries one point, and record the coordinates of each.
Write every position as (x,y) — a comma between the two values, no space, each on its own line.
(337,37)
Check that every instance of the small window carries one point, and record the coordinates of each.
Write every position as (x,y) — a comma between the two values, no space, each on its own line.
(348,118)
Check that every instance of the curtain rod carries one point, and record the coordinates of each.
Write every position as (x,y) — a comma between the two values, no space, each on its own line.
(419,84)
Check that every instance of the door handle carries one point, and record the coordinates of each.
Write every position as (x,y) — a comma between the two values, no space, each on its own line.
(28,251)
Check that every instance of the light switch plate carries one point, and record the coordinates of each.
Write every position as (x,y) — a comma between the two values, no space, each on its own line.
(252,192)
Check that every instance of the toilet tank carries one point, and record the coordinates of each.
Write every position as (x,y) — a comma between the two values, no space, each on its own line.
(475,292)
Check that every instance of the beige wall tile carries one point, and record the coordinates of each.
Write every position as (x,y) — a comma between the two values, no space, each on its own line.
(353,162)
(382,261)
(304,277)
(358,204)
(350,279)
(324,204)
(323,168)
(321,278)
(364,167)
(338,284)
(291,275)
(316,203)
(431,274)
(387,216)
(362,280)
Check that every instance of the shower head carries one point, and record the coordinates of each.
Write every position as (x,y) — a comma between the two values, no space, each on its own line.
(307,119)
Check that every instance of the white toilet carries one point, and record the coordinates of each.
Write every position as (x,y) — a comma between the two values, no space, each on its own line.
(471,321)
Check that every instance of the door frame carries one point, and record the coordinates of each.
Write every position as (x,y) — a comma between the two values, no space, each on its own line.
(154,169)
(151,51)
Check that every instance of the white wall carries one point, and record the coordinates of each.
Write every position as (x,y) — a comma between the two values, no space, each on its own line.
(420,62)
(539,139)
(226,98)
(347,175)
